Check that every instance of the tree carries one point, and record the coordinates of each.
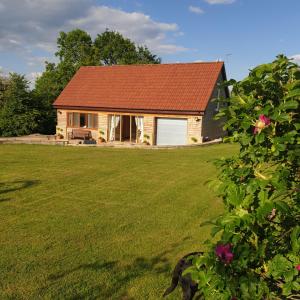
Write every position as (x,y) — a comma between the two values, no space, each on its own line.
(18,115)
(257,254)
(111,48)
(144,56)
(47,88)
(3,87)
(75,49)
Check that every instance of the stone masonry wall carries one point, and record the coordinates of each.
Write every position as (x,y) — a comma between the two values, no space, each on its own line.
(194,130)
(149,129)
(193,135)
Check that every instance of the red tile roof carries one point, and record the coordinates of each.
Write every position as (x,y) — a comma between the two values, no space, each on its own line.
(167,87)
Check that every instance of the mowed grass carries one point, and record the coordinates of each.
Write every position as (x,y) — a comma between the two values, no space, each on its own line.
(92,223)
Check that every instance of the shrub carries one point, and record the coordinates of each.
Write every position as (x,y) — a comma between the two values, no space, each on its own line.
(257,250)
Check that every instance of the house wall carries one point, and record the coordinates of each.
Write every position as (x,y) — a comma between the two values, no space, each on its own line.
(61,126)
(194,129)
(149,129)
(193,134)
(103,125)
(212,129)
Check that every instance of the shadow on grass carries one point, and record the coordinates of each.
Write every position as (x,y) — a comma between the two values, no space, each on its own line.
(14,186)
(120,275)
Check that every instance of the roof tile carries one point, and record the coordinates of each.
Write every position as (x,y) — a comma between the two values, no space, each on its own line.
(170,87)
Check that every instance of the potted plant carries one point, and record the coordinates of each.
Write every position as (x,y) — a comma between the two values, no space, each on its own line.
(146,139)
(101,138)
(59,134)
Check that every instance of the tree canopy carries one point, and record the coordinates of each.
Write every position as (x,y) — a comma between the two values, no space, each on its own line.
(3,87)
(18,113)
(111,48)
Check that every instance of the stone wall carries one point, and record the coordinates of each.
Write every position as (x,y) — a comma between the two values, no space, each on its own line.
(103,125)
(61,127)
(194,130)
(194,127)
(193,134)
(149,129)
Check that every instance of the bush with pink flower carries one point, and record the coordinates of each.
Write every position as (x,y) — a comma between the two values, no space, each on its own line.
(255,249)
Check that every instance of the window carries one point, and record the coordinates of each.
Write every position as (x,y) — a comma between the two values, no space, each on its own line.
(76,118)
(82,120)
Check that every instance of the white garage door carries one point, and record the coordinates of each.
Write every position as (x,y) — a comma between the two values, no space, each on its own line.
(171,131)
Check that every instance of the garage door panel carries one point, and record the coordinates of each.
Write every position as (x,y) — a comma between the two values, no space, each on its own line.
(171,131)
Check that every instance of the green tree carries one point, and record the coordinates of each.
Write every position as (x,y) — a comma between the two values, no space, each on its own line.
(18,115)
(47,89)
(75,49)
(111,48)
(257,254)
(144,56)
(3,87)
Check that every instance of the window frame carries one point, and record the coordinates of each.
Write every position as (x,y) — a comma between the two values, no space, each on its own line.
(71,120)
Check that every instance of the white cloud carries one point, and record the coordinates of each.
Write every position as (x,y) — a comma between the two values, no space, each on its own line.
(32,77)
(220,1)
(33,25)
(33,61)
(196,10)
(296,58)
(136,26)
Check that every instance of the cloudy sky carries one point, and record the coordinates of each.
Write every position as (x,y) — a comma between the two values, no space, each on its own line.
(243,33)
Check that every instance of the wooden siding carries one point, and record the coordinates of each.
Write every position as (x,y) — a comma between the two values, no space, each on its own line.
(212,129)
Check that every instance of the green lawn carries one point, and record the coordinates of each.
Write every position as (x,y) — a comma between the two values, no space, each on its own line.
(92,223)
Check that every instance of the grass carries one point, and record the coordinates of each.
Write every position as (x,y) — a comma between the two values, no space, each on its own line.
(91,223)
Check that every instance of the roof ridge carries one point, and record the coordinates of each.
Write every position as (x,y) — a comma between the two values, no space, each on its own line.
(154,65)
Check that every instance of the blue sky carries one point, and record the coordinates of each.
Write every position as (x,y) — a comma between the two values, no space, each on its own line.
(243,33)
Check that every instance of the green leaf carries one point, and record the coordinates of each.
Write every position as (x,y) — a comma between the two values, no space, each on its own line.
(293,93)
(295,239)
(292,104)
(263,196)
(278,266)
(282,206)
(215,230)
(264,210)
(260,138)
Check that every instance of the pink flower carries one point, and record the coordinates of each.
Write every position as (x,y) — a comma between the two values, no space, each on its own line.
(224,253)
(265,119)
(261,123)
(298,268)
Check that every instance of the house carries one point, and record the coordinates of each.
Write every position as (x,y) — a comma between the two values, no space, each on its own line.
(166,104)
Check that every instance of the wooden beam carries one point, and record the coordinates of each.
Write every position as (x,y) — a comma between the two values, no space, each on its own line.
(121,128)
(114,127)
(130,135)
(136,131)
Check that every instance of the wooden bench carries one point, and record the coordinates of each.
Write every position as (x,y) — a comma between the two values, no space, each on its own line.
(81,134)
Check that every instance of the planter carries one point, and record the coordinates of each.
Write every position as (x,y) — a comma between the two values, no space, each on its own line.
(59,136)
(101,140)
